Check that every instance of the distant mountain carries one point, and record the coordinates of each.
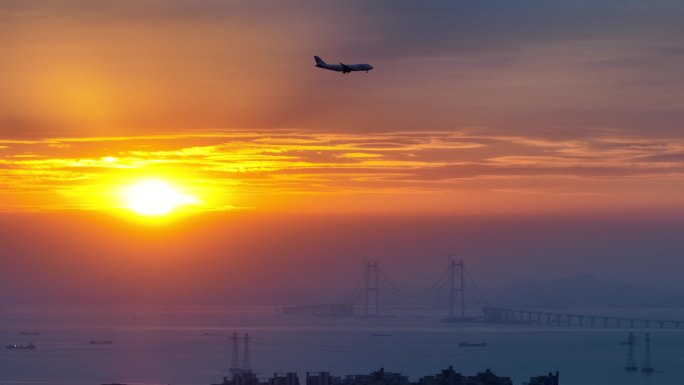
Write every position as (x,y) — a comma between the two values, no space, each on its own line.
(584,291)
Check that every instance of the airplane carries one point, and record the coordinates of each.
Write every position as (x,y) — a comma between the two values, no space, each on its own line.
(344,68)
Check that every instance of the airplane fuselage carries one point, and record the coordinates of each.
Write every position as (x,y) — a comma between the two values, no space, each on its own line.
(344,68)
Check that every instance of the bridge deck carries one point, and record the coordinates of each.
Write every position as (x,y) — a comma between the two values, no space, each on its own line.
(535,317)
(496,315)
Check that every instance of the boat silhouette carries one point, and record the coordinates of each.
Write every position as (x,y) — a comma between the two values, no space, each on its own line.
(29,346)
(466,344)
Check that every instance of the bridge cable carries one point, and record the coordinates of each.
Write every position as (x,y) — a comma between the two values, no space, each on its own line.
(356,293)
(477,292)
(394,289)
(435,287)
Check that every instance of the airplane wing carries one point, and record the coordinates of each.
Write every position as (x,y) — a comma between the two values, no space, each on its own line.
(345,68)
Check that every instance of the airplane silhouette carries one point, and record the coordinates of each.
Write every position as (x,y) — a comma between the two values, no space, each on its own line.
(344,68)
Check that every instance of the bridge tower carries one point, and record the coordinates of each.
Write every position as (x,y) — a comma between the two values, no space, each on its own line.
(648,366)
(372,291)
(631,364)
(457,288)
(235,361)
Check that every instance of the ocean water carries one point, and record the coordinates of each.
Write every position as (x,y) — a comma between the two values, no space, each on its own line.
(190,346)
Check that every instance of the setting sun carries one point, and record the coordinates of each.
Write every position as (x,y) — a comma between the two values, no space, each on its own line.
(153,197)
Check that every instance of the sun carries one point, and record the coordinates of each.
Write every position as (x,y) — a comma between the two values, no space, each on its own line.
(154,198)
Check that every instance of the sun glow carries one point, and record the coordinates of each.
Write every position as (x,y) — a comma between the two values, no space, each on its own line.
(153,197)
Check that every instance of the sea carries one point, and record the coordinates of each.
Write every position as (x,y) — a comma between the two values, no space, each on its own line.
(191,346)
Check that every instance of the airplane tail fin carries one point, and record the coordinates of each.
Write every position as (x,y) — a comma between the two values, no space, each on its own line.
(319,61)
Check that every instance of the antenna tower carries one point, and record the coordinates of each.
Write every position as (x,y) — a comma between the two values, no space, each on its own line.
(246,364)
(648,366)
(631,364)
(235,361)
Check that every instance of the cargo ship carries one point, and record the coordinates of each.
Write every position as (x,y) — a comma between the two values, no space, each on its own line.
(466,344)
(28,346)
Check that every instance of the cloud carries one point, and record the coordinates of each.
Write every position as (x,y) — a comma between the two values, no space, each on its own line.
(300,162)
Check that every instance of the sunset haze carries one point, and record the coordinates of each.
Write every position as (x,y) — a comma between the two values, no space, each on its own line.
(533,139)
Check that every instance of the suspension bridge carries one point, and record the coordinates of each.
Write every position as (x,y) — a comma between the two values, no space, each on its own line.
(364,299)
(447,297)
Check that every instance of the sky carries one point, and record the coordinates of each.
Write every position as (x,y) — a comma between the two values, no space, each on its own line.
(554,127)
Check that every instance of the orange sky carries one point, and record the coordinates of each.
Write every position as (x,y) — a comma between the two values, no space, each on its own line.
(533,138)
(222,99)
